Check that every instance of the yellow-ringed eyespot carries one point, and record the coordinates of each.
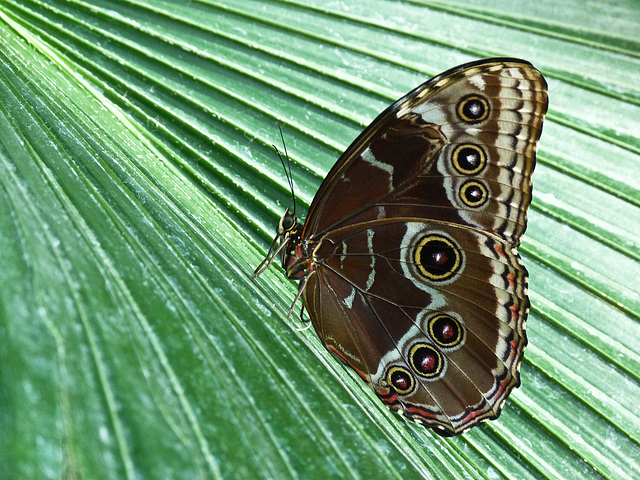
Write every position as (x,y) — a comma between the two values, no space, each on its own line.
(469,159)
(473,194)
(426,360)
(437,257)
(401,380)
(473,109)
(445,330)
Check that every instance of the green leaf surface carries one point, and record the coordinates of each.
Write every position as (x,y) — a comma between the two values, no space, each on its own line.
(139,189)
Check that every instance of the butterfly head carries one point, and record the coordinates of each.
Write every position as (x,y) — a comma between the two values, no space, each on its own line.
(287,223)
(286,243)
(290,235)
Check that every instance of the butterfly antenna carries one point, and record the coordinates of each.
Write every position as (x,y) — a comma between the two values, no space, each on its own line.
(287,167)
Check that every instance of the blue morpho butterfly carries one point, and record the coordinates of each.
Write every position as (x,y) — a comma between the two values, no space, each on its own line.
(407,259)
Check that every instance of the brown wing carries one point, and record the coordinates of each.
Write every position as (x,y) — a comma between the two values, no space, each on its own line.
(431,315)
(414,279)
(459,148)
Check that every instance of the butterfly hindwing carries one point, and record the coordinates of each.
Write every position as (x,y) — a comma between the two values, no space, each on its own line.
(383,294)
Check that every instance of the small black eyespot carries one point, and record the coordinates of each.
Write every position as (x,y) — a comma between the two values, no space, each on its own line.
(437,257)
(473,109)
(426,360)
(474,194)
(401,380)
(445,330)
(469,159)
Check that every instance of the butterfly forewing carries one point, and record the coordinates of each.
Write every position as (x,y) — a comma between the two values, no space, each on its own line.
(408,253)
(459,148)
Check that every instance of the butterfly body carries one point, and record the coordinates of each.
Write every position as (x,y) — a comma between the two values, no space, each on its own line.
(407,259)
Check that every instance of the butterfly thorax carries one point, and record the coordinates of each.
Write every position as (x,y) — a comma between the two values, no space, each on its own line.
(295,259)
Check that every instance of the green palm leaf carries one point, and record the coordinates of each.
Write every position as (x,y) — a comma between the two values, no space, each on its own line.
(139,188)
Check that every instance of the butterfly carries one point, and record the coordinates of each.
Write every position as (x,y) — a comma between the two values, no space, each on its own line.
(407,259)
